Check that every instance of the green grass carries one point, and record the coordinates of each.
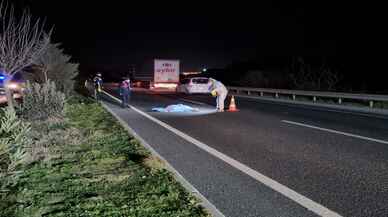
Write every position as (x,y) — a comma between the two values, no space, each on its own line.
(107,174)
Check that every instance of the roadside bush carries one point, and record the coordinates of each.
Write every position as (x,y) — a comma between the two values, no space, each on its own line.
(13,139)
(254,79)
(41,101)
(53,64)
(79,87)
(263,79)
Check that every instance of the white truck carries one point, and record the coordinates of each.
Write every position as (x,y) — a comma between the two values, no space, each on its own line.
(166,74)
(161,74)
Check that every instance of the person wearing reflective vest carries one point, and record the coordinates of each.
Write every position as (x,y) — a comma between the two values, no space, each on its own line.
(125,92)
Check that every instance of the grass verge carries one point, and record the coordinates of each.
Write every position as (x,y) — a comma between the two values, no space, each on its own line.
(99,171)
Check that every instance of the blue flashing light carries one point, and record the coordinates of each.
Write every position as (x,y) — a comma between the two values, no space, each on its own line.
(2,77)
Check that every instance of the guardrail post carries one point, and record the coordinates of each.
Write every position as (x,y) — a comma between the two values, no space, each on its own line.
(261,94)
(276,95)
(371,104)
(339,101)
(236,91)
(314,98)
(249,92)
(293,97)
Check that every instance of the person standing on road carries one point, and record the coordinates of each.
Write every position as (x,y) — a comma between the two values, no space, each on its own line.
(125,92)
(97,80)
(218,89)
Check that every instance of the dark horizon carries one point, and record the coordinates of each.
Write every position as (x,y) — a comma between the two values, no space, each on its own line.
(111,37)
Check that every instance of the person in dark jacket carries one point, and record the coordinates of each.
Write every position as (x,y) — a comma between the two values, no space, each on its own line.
(97,80)
(125,92)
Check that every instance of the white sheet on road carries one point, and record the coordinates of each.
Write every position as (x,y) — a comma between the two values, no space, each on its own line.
(176,108)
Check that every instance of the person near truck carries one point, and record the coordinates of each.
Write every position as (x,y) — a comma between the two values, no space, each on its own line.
(125,92)
(97,80)
(219,90)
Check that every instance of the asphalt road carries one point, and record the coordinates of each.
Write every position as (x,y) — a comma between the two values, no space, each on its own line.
(338,160)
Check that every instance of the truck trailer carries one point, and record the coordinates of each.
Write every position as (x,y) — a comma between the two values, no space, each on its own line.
(162,74)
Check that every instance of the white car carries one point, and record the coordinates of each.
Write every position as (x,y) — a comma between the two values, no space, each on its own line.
(194,85)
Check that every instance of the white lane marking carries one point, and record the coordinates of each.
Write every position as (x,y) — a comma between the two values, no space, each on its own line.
(282,189)
(216,212)
(212,208)
(336,132)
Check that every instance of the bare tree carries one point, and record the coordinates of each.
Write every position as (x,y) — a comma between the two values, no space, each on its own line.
(304,77)
(22,41)
(301,74)
(332,78)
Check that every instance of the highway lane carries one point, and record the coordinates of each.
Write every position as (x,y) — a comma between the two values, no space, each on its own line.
(370,125)
(343,173)
(230,190)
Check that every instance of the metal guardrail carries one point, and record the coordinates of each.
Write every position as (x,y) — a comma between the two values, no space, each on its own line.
(371,98)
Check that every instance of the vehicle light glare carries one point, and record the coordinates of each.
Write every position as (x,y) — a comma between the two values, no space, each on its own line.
(165,85)
(13,86)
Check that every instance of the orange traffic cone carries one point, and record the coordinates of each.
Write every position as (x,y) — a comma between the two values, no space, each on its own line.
(232,105)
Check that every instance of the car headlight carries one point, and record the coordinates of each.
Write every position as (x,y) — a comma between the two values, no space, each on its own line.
(13,86)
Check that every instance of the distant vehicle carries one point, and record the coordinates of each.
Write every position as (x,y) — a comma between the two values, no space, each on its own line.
(194,85)
(161,74)
(16,86)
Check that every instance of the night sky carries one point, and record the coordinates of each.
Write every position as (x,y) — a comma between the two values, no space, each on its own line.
(111,35)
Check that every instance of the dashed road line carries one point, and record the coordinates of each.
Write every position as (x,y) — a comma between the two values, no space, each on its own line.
(335,131)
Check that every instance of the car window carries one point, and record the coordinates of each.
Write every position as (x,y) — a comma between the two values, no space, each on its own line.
(200,80)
